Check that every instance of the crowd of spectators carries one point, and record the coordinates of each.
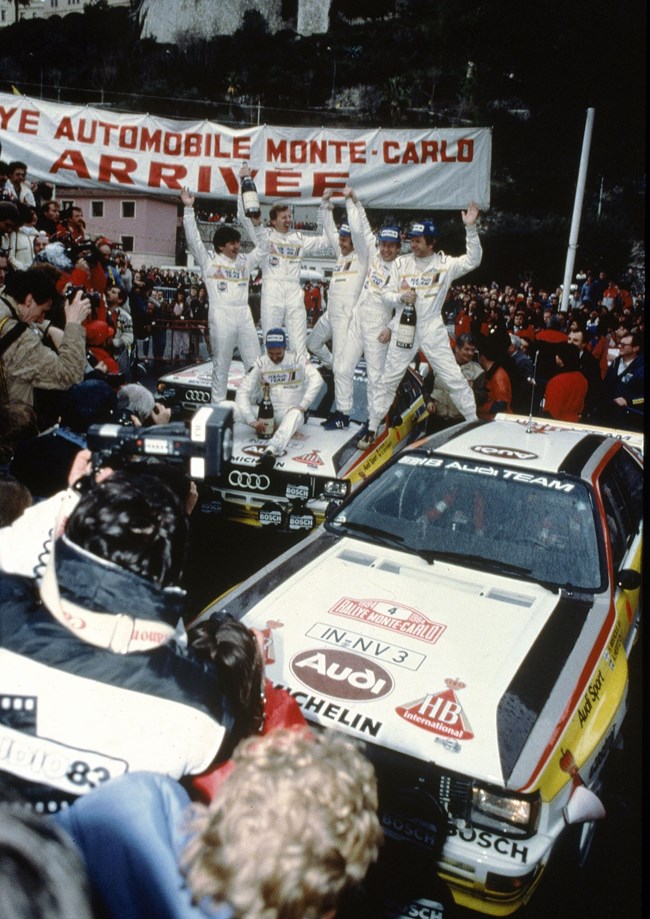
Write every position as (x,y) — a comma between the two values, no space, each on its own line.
(520,335)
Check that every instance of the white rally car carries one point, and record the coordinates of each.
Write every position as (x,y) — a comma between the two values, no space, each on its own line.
(469,613)
(319,466)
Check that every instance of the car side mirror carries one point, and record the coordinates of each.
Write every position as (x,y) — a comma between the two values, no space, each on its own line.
(629,579)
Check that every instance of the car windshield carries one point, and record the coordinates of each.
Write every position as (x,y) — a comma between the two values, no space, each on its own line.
(534,526)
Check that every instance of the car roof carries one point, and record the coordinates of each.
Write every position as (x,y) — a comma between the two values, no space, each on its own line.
(516,441)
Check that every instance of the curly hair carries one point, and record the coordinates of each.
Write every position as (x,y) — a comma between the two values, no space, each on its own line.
(135,521)
(293,826)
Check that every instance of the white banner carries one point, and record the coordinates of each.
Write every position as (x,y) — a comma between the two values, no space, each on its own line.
(86,147)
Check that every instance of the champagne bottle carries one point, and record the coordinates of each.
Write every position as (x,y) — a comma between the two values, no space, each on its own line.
(406,329)
(265,413)
(250,197)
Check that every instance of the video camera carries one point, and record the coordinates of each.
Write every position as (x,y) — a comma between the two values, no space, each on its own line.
(205,445)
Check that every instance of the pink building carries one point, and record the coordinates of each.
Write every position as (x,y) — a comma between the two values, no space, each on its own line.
(146,225)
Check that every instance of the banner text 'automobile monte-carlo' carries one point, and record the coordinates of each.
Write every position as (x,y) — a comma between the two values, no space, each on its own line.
(82,146)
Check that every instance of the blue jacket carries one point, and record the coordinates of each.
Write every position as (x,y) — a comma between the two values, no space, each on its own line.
(130,834)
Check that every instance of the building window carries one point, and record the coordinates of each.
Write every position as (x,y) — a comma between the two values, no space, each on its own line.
(54,3)
(66,203)
(127,243)
(96,208)
(128,209)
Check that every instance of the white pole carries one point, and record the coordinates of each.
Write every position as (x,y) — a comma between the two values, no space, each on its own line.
(577,209)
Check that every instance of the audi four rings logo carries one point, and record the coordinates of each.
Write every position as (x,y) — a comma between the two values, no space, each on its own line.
(249,480)
(197,395)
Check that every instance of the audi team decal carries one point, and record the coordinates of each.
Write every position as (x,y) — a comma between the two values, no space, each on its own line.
(387,614)
(341,674)
(439,712)
(253,480)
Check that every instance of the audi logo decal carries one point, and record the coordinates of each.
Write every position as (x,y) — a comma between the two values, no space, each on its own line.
(249,480)
(197,395)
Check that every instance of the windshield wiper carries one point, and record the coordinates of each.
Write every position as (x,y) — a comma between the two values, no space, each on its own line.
(381,536)
(488,564)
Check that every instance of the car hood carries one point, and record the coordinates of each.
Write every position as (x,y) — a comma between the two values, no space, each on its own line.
(418,658)
(311,450)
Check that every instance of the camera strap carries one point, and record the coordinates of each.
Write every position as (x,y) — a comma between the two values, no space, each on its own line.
(5,341)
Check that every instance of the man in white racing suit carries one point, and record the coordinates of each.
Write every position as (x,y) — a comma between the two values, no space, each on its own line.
(293,385)
(347,277)
(368,332)
(226,275)
(283,302)
(423,279)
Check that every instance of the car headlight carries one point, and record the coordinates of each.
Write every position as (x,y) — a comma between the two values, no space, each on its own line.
(502,811)
(336,489)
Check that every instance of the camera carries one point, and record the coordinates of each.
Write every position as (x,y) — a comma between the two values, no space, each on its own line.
(95,298)
(203,446)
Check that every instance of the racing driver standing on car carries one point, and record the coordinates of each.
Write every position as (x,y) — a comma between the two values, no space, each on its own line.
(283,301)
(423,278)
(345,285)
(226,275)
(293,384)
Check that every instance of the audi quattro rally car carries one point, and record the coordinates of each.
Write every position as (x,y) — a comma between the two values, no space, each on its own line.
(319,466)
(469,613)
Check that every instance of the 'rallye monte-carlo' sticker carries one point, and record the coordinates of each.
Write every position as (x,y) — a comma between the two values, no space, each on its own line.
(439,712)
(387,614)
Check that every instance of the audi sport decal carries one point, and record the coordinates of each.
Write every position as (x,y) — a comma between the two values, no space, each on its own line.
(251,480)
(341,674)
(311,459)
(313,705)
(389,615)
(439,712)
(353,641)
(504,452)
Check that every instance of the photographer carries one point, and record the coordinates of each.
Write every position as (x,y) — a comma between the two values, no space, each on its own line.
(24,362)
(134,401)
(102,653)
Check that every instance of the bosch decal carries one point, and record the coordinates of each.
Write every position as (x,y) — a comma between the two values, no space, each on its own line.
(297,491)
(410,829)
(323,708)
(353,641)
(252,480)
(503,452)
(389,615)
(415,909)
(341,674)
(440,713)
(485,840)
